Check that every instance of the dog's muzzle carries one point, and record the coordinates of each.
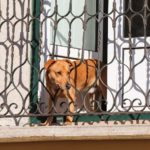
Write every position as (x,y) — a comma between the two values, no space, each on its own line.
(68,86)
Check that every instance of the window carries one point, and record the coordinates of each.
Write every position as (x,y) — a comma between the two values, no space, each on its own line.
(74,24)
(138,14)
(71,32)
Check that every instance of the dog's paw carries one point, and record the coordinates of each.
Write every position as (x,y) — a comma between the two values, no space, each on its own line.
(68,123)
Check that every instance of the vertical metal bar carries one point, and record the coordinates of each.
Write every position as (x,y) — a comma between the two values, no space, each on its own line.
(55,29)
(105,32)
(69,33)
(84,29)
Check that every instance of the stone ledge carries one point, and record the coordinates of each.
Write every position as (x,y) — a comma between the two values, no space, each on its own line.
(87,132)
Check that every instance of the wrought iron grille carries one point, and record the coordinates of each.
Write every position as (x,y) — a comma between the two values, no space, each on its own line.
(115,32)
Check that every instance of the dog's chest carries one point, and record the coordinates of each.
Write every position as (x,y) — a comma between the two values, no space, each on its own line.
(92,90)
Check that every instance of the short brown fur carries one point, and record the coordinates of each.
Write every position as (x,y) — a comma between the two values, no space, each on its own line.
(69,76)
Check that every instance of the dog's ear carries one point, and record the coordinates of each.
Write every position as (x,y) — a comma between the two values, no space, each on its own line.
(49,63)
(69,62)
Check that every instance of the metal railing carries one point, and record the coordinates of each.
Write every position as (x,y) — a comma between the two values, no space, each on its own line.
(31,32)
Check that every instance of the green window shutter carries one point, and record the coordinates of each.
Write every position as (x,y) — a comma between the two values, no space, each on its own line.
(35,59)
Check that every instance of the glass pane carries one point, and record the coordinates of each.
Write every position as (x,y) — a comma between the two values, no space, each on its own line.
(70,27)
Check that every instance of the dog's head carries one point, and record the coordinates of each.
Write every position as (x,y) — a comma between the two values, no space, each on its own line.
(58,72)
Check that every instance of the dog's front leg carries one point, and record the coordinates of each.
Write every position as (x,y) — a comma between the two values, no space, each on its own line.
(70,95)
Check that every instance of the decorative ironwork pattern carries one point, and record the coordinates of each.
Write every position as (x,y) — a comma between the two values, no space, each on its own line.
(115,32)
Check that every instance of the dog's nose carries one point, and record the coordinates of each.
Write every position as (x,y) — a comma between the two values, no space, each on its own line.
(68,86)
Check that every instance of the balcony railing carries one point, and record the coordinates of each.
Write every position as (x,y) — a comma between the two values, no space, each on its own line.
(115,33)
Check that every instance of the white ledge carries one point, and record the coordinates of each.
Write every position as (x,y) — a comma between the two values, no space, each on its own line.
(87,132)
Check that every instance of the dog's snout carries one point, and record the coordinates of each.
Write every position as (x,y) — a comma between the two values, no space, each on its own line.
(68,86)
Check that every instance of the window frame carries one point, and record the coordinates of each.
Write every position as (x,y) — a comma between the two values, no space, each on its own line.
(35,58)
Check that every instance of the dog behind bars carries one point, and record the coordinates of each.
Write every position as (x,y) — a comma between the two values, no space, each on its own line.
(67,77)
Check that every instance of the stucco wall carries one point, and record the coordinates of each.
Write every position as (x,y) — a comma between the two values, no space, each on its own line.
(14,60)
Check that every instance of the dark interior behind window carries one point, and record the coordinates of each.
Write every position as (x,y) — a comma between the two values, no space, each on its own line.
(136,12)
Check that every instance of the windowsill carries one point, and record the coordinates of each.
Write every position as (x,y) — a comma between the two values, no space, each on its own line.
(80,132)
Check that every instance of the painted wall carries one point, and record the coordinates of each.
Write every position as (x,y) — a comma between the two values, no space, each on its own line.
(15,58)
(80,145)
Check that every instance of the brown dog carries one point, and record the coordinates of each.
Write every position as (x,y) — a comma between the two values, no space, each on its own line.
(71,76)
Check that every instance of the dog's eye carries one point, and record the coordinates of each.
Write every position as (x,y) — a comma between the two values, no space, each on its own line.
(59,72)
